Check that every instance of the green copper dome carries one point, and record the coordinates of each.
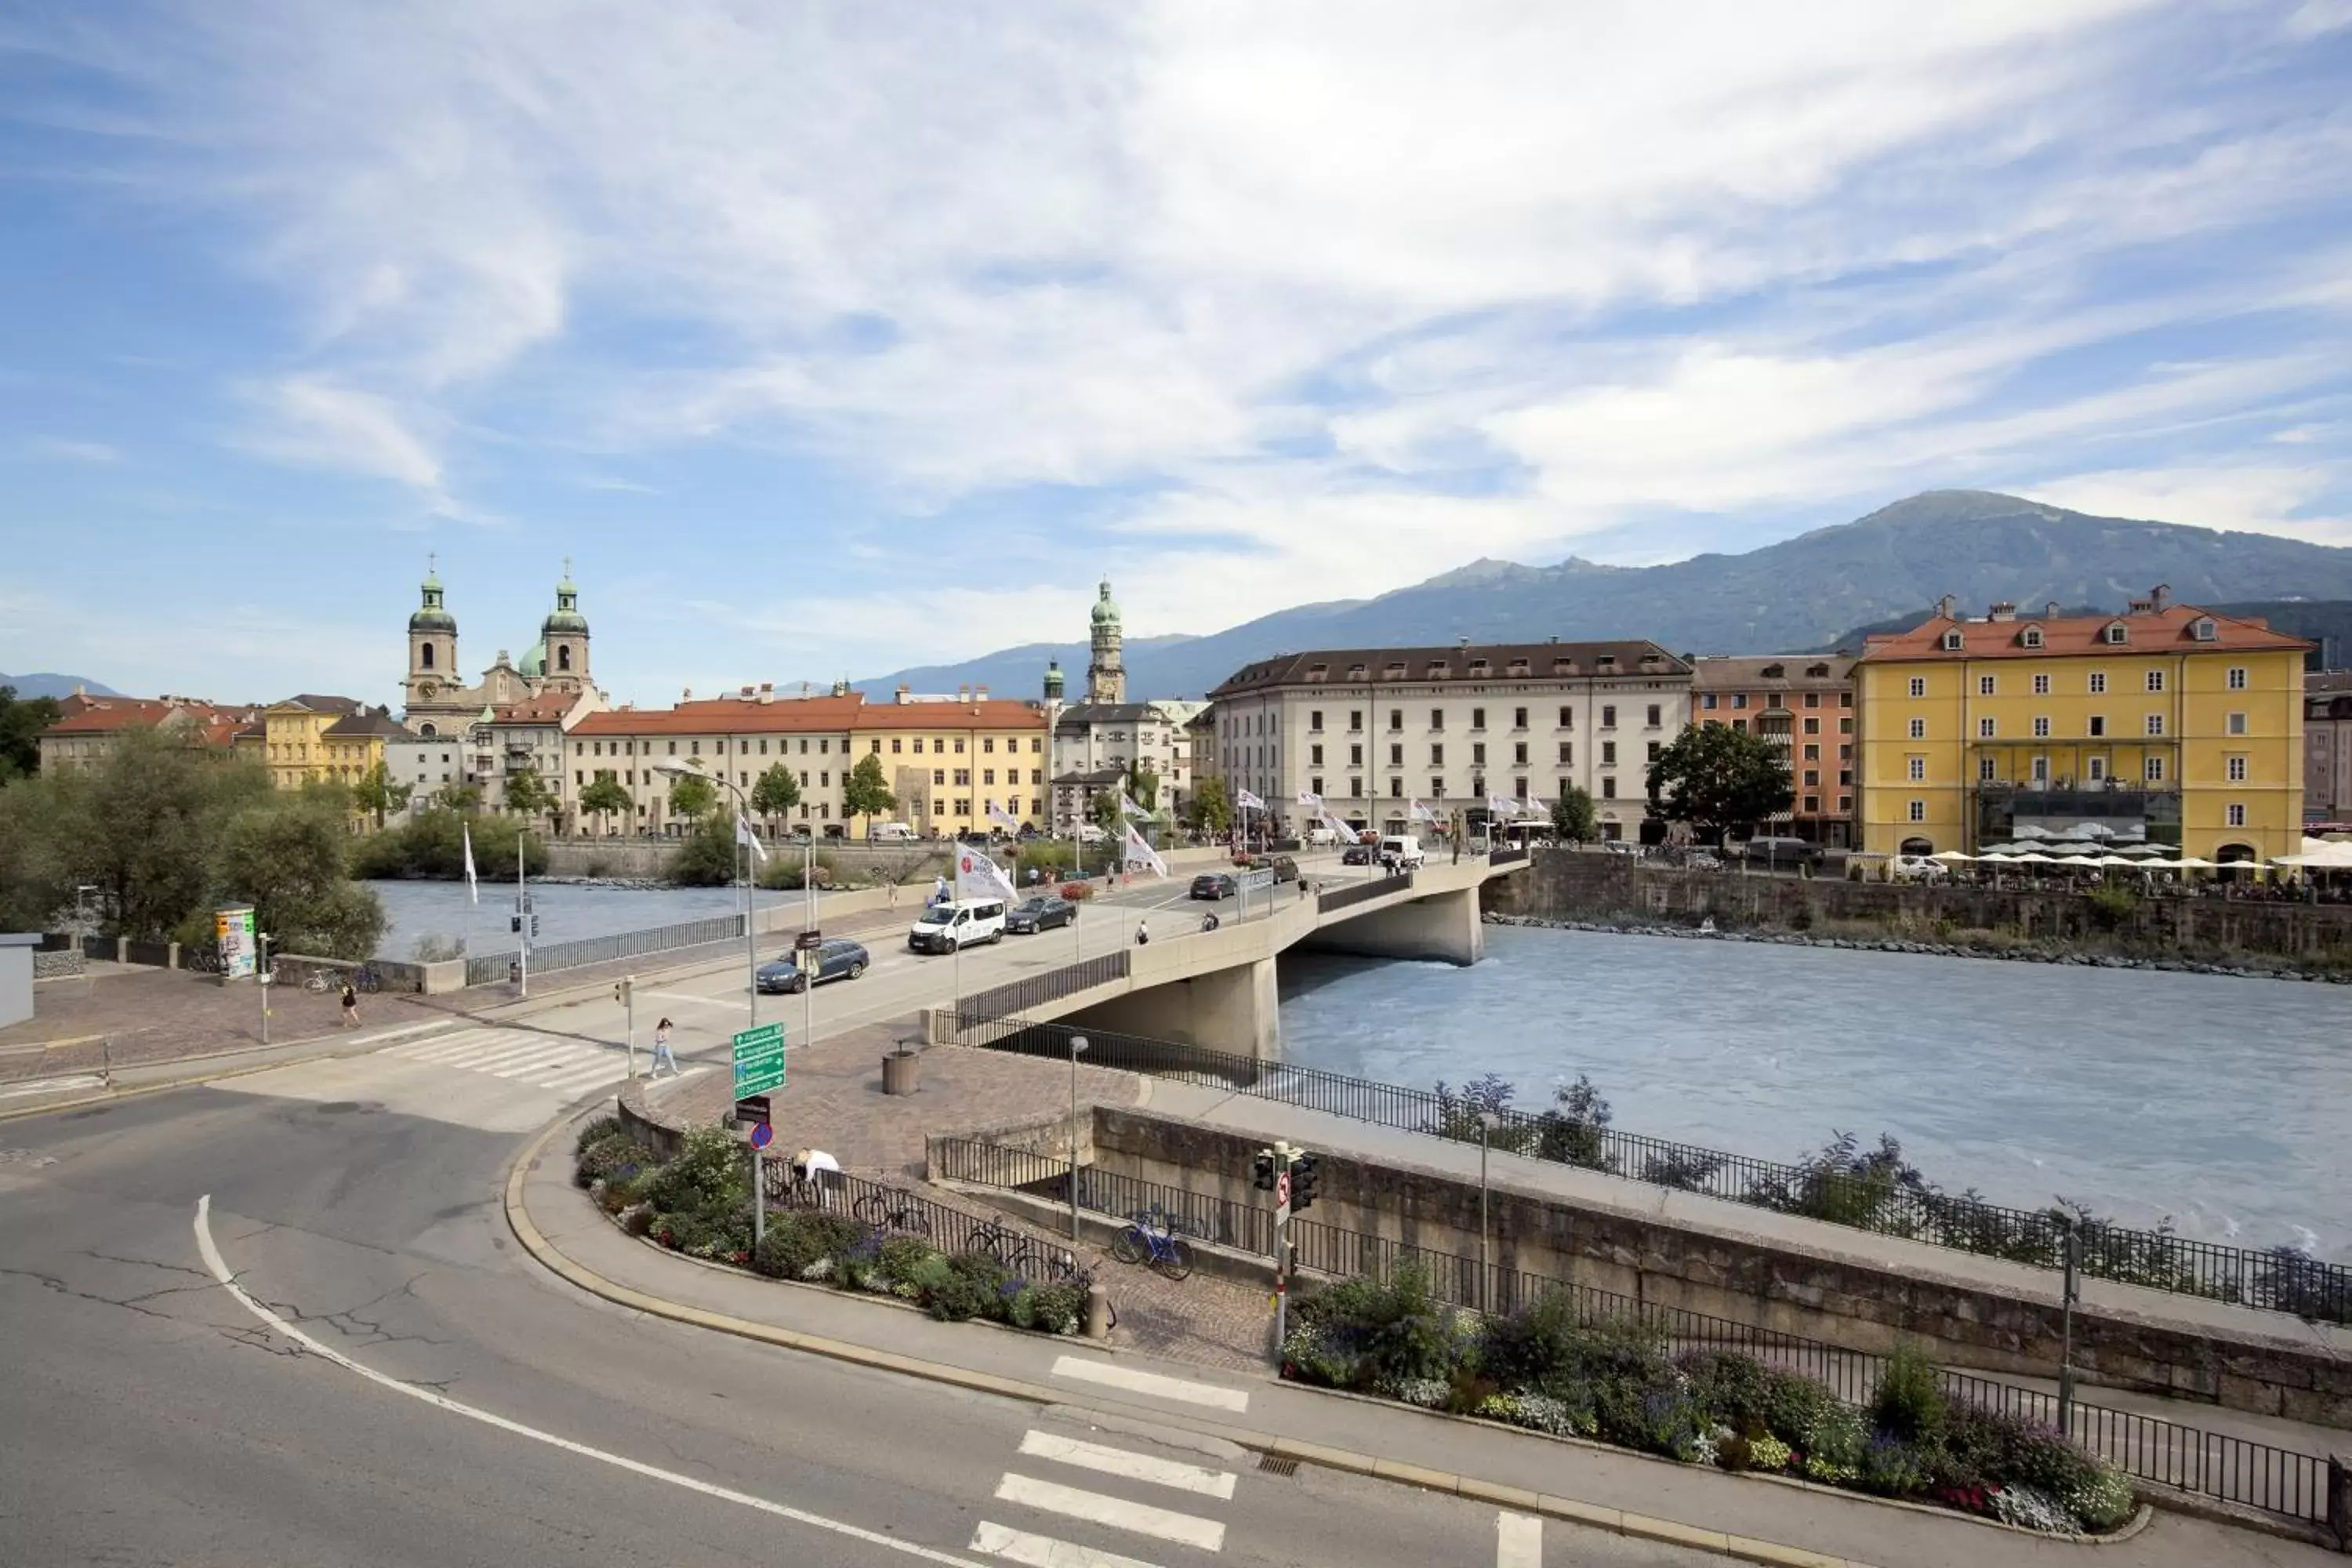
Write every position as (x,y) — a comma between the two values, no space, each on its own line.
(431,615)
(565,619)
(1106,607)
(534,663)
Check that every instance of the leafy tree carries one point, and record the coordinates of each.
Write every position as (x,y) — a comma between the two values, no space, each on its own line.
(1211,809)
(22,720)
(1143,785)
(528,795)
(433,844)
(459,797)
(288,858)
(605,797)
(693,795)
(1572,820)
(865,792)
(379,795)
(710,856)
(1718,779)
(776,791)
(1108,813)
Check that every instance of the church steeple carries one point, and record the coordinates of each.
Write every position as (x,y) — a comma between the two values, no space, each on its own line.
(431,639)
(1105,676)
(563,638)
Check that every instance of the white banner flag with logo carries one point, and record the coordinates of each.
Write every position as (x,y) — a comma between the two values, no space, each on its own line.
(1310,800)
(1126,804)
(978,875)
(1496,806)
(1248,802)
(1001,818)
(1347,834)
(1421,813)
(1139,853)
(750,841)
(472,885)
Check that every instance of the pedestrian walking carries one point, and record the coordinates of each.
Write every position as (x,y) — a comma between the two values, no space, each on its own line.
(661,1051)
(894,892)
(1142,932)
(940,888)
(351,1006)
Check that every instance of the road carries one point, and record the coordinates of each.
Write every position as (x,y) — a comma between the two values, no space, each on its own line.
(391,1382)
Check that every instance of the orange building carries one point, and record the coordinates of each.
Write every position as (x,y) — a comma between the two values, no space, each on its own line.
(1804,704)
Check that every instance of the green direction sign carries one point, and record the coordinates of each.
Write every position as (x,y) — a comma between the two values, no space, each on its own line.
(759,1060)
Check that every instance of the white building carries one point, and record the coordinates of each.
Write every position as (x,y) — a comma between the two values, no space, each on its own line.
(1373,730)
(1106,734)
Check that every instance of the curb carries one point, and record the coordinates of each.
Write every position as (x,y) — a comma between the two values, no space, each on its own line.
(1639,1527)
(136,1092)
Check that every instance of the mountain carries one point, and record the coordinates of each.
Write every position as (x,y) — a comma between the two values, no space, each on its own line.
(47,685)
(2326,622)
(1800,593)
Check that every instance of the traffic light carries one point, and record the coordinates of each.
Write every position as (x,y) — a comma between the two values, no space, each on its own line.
(534,925)
(514,924)
(623,987)
(1303,1172)
(1263,1177)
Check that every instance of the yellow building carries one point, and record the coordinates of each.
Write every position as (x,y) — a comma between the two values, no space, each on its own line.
(2178,720)
(949,762)
(313,739)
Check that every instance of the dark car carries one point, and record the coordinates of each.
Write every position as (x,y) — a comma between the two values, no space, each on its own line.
(1041,913)
(1770,851)
(837,959)
(1356,855)
(1213,886)
(1285,870)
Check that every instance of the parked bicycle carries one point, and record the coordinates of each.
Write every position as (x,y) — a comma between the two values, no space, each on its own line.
(893,1211)
(1149,1240)
(366,980)
(996,1239)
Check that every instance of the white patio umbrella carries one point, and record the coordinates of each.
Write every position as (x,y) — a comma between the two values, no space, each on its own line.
(2095,830)
(2034,857)
(2078,859)
(2191,863)
(2026,830)
(1951,856)
(2119,860)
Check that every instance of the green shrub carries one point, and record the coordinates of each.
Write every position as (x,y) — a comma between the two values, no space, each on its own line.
(709,1175)
(971,1285)
(617,1159)
(1893,1468)
(1909,1401)
(1832,1444)
(1388,1331)
(596,1132)
(2111,905)
(798,1240)
(1736,1389)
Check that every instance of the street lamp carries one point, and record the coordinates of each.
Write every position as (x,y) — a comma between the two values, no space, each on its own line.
(1077,1044)
(1488,1122)
(750,887)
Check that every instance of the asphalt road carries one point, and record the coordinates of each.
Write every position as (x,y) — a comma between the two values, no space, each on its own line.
(392,1382)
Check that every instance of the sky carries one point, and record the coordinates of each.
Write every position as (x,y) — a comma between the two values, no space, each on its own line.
(829,339)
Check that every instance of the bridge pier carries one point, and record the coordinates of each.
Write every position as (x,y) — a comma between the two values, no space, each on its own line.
(1234,1010)
(1442,926)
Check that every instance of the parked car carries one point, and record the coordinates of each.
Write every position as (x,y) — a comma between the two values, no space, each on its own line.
(1401,849)
(837,959)
(1213,886)
(1356,855)
(1318,835)
(958,923)
(1921,868)
(1285,870)
(898,831)
(1041,913)
(1772,852)
(1090,834)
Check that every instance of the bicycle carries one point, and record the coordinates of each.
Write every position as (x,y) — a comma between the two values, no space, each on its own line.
(997,1241)
(366,980)
(1159,1248)
(315,981)
(893,1211)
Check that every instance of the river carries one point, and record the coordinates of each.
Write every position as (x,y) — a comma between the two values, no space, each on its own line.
(566,911)
(2224,1104)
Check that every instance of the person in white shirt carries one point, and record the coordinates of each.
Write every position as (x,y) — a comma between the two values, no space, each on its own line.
(816,1168)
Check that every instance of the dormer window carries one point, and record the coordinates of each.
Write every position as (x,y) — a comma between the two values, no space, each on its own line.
(1396,672)
(1436,671)
(1817,671)
(2031,636)
(1317,671)
(1516,667)
(1355,672)
(1563,666)
(2203,629)
(1477,667)
(2118,632)
(1952,642)
(1774,672)
(1606,661)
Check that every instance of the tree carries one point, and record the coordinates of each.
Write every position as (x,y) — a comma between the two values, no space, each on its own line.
(1718,779)
(693,797)
(1571,816)
(605,797)
(1210,807)
(379,795)
(710,856)
(1108,813)
(463,798)
(288,858)
(22,720)
(528,795)
(865,792)
(1143,785)
(776,791)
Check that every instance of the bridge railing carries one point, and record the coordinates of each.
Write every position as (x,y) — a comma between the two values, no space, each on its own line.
(1361,892)
(1006,1001)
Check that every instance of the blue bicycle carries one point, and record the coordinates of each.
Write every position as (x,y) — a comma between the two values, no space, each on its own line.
(1151,1240)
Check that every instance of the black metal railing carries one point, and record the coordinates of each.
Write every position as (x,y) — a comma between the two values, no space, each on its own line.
(1359,892)
(99,947)
(1005,1001)
(55,941)
(489,968)
(153,954)
(2233,1469)
(2277,1280)
(1506,856)
(952,1230)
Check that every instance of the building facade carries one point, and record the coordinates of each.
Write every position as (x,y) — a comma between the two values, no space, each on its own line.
(1375,731)
(2167,718)
(1106,666)
(440,702)
(1804,704)
(1107,733)
(427,764)
(2326,747)
(294,740)
(86,726)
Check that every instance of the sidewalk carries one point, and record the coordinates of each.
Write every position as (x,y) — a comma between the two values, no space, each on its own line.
(558,1224)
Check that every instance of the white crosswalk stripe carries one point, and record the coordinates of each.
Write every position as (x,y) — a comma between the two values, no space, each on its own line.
(1080,1370)
(1043,1551)
(1010,1545)
(1099,1508)
(1519,1540)
(520,1055)
(1110,1461)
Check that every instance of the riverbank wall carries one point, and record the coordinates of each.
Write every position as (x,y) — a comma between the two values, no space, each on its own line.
(650,860)
(1586,888)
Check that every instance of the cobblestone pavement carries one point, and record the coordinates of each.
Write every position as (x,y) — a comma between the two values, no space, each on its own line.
(125,1015)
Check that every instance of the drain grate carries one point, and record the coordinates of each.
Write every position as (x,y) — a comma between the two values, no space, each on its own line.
(1276,1465)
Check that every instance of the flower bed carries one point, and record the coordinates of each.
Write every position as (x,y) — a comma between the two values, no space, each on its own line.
(700,1204)
(1616,1381)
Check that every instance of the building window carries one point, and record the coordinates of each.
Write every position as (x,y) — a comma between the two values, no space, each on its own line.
(2156,681)
(1518,718)
(1918,811)
(1478,754)
(1915,769)
(1437,718)
(2032,636)
(1396,719)
(1706,701)
(1315,755)
(1396,756)
(1609,717)
(1654,717)
(1609,789)
(1315,721)
(2237,814)
(1812,803)
(2236,770)
(1812,780)
(1567,753)
(939,778)
(1355,720)
(1355,756)
(1315,784)
(1396,789)
(2237,677)
(895,744)
(2097,768)
(1984,685)
(1812,699)
(2118,633)
(2040,686)
(2152,769)
(2040,727)
(2156,723)
(1918,729)
(1355,788)
(988,775)
(1655,749)
(2041,770)
(1519,752)
(2098,725)
(1984,729)
(1478,718)
(2098,682)
(1436,788)
(1567,718)
(1812,753)
(2237,725)
(1918,685)
(1437,756)
(1740,725)
(1608,753)
(1985,770)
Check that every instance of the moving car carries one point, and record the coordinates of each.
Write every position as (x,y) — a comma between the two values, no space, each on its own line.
(1043,912)
(1319,836)
(899,831)
(838,958)
(1213,886)
(1770,852)
(1285,870)
(1402,849)
(1921,868)
(1356,855)
(958,923)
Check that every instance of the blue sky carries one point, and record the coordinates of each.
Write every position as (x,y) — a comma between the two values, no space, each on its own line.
(829,339)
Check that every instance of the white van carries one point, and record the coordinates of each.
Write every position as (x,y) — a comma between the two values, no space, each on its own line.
(891,830)
(1402,850)
(958,923)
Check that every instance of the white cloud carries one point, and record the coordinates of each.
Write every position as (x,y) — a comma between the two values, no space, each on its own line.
(2252,497)
(74,451)
(317,424)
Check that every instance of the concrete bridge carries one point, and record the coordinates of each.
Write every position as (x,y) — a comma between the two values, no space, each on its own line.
(1217,989)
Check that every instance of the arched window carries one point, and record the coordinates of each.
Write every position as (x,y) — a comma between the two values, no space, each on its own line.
(564,658)
(427,731)
(425,656)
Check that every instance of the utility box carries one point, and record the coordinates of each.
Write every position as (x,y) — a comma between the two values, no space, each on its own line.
(17,950)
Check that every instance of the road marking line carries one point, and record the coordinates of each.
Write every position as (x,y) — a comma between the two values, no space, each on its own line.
(1184,1529)
(1519,1540)
(689,997)
(1151,1383)
(579,1083)
(1043,1551)
(1198,1479)
(52,1085)
(450,1048)
(555,1058)
(220,1272)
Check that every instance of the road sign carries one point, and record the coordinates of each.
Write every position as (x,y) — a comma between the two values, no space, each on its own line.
(808,939)
(762,1134)
(751,1111)
(1254,881)
(759,1060)
(1282,1200)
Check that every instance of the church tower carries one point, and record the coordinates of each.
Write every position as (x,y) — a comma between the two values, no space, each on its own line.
(432,644)
(560,660)
(1106,678)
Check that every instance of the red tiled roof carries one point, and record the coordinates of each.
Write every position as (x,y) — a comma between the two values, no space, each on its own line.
(2168,630)
(105,715)
(986,713)
(538,710)
(808,715)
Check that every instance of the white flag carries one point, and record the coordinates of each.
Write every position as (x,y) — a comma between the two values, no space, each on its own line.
(1249,802)
(1496,806)
(1126,804)
(978,875)
(1310,800)
(1002,818)
(1347,834)
(473,887)
(1139,853)
(1421,813)
(743,834)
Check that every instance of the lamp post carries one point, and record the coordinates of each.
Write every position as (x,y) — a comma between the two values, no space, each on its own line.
(1077,1044)
(261,974)
(1486,1120)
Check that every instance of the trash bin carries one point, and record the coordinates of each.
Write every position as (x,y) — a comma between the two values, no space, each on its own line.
(898,1069)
